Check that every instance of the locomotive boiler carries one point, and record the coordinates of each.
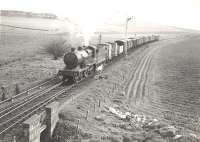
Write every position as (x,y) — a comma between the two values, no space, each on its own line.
(82,62)
(78,57)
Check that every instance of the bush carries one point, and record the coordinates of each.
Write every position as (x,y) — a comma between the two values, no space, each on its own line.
(57,48)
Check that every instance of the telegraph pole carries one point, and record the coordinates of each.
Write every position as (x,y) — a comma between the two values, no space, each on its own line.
(100,38)
(126,26)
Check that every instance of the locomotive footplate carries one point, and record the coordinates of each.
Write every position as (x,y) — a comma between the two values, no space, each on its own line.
(76,74)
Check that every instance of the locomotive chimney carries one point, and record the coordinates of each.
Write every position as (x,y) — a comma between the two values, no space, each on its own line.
(80,48)
(72,49)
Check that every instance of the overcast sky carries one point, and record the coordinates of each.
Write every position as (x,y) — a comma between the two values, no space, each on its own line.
(179,13)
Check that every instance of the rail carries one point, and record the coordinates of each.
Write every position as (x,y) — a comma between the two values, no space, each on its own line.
(33,109)
(26,91)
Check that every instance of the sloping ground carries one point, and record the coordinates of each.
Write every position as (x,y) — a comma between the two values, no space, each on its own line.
(23,59)
(116,107)
(175,84)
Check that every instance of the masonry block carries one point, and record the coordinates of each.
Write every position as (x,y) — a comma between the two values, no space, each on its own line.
(31,128)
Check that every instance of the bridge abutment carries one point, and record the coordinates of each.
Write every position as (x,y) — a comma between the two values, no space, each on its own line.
(51,119)
(36,128)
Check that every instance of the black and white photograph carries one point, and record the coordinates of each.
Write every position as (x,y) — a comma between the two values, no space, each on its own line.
(99,70)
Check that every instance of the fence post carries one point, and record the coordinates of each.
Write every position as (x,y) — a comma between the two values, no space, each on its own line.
(94,107)
(17,90)
(87,114)
(99,103)
(14,139)
(3,93)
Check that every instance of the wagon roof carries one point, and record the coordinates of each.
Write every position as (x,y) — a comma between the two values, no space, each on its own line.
(92,46)
(102,44)
(120,41)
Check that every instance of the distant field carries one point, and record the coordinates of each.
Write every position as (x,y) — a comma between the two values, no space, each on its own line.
(16,13)
(38,23)
(19,43)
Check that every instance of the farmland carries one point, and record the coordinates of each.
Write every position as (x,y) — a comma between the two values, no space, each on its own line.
(175,83)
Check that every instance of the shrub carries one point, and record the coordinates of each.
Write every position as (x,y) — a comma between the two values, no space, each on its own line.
(57,48)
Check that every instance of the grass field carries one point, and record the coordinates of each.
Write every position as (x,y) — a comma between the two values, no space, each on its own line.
(23,59)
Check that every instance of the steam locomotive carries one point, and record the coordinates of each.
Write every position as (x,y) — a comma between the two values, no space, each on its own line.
(87,60)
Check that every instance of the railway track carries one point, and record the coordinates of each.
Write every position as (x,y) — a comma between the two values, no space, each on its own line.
(13,116)
(18,112)
(29,91)
(27,104)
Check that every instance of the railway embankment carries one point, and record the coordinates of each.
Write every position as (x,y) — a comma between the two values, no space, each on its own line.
(115,106)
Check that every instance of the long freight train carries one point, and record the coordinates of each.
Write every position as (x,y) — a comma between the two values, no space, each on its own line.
(87,60)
